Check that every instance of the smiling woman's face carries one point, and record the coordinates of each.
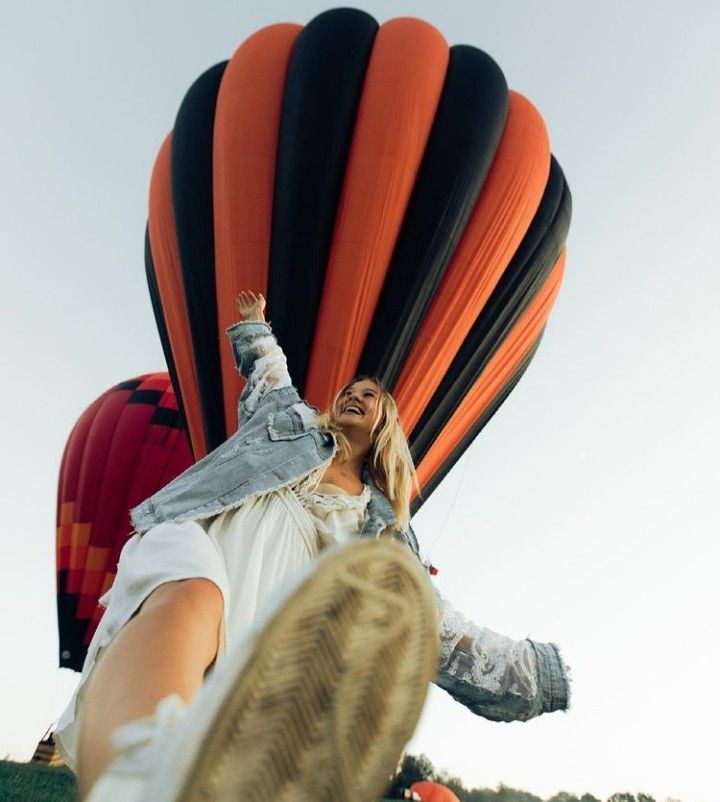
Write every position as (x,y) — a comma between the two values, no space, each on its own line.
(359,405)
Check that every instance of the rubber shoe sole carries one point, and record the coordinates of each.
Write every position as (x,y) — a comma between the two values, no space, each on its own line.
(319,705)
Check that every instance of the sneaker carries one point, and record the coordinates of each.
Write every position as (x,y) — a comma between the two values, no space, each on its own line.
(139,746)
(318,704)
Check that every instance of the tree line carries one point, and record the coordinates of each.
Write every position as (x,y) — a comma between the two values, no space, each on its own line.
(414,768)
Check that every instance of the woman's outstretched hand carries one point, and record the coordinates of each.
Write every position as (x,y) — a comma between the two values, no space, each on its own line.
(251,306)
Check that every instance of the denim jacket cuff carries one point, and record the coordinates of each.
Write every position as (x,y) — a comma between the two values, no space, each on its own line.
(248,329)
(553,680)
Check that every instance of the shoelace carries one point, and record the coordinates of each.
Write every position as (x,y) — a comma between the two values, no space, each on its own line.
(138,742)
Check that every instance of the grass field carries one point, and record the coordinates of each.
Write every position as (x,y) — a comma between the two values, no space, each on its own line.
(33,782)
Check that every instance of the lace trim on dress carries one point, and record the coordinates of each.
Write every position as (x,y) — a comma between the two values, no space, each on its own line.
(482,658)
(336,517)
(308,484)
(329,502)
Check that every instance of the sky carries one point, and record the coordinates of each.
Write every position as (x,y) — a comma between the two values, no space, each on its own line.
(585,513)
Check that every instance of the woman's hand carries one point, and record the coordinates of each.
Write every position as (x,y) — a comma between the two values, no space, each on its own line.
(251,306)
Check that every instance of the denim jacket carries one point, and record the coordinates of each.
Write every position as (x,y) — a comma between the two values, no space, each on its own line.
(277,443)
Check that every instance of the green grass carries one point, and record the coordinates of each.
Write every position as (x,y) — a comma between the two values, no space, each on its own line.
(33,782)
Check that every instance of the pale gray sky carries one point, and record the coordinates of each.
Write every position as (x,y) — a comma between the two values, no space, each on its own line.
(585,512)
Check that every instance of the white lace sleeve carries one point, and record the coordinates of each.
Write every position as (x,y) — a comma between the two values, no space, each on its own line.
(495,676)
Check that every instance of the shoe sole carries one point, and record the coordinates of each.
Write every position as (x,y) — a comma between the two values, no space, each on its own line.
(320,707)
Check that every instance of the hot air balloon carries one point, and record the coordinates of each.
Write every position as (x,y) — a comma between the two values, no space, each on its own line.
(433,792)
(398,206)
(126,445)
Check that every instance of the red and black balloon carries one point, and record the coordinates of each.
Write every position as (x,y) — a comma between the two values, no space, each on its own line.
(126,445)
(398,206)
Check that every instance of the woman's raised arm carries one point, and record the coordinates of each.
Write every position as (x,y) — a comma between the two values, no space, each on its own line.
(258,357)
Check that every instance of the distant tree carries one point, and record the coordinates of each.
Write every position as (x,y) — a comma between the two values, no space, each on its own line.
(506,794)
(478,795)
(413,768)
(563,796)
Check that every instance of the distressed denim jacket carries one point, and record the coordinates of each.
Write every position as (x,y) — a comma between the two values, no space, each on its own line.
(277,443)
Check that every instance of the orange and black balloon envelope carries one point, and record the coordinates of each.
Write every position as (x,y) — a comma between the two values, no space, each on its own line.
(429,791)
(396,203)
(125,446)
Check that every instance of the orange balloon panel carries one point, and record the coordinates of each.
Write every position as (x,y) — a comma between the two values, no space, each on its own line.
(166,259)
(247,119)
(399,100)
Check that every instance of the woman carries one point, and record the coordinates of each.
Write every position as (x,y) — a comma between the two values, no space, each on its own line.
(212,547)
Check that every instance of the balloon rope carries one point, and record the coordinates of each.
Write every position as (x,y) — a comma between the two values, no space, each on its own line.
(435,536)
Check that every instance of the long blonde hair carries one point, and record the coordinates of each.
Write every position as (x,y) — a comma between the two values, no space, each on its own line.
(389,462)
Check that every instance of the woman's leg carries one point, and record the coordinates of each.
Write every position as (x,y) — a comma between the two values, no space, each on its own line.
(165,648)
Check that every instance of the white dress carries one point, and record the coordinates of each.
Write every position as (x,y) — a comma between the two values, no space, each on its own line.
(247,552)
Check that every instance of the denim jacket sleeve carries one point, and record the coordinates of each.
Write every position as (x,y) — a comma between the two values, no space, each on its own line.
(260,360)
(496,677)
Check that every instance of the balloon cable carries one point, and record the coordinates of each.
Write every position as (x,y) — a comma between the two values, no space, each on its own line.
(428,544)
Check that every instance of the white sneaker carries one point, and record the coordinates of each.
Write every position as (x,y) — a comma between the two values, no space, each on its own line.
(319,703)
(139,745)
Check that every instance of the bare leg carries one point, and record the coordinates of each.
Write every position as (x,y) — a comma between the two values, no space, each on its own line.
(165,648)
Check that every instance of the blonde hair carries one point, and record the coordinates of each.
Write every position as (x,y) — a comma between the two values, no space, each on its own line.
(389,462)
